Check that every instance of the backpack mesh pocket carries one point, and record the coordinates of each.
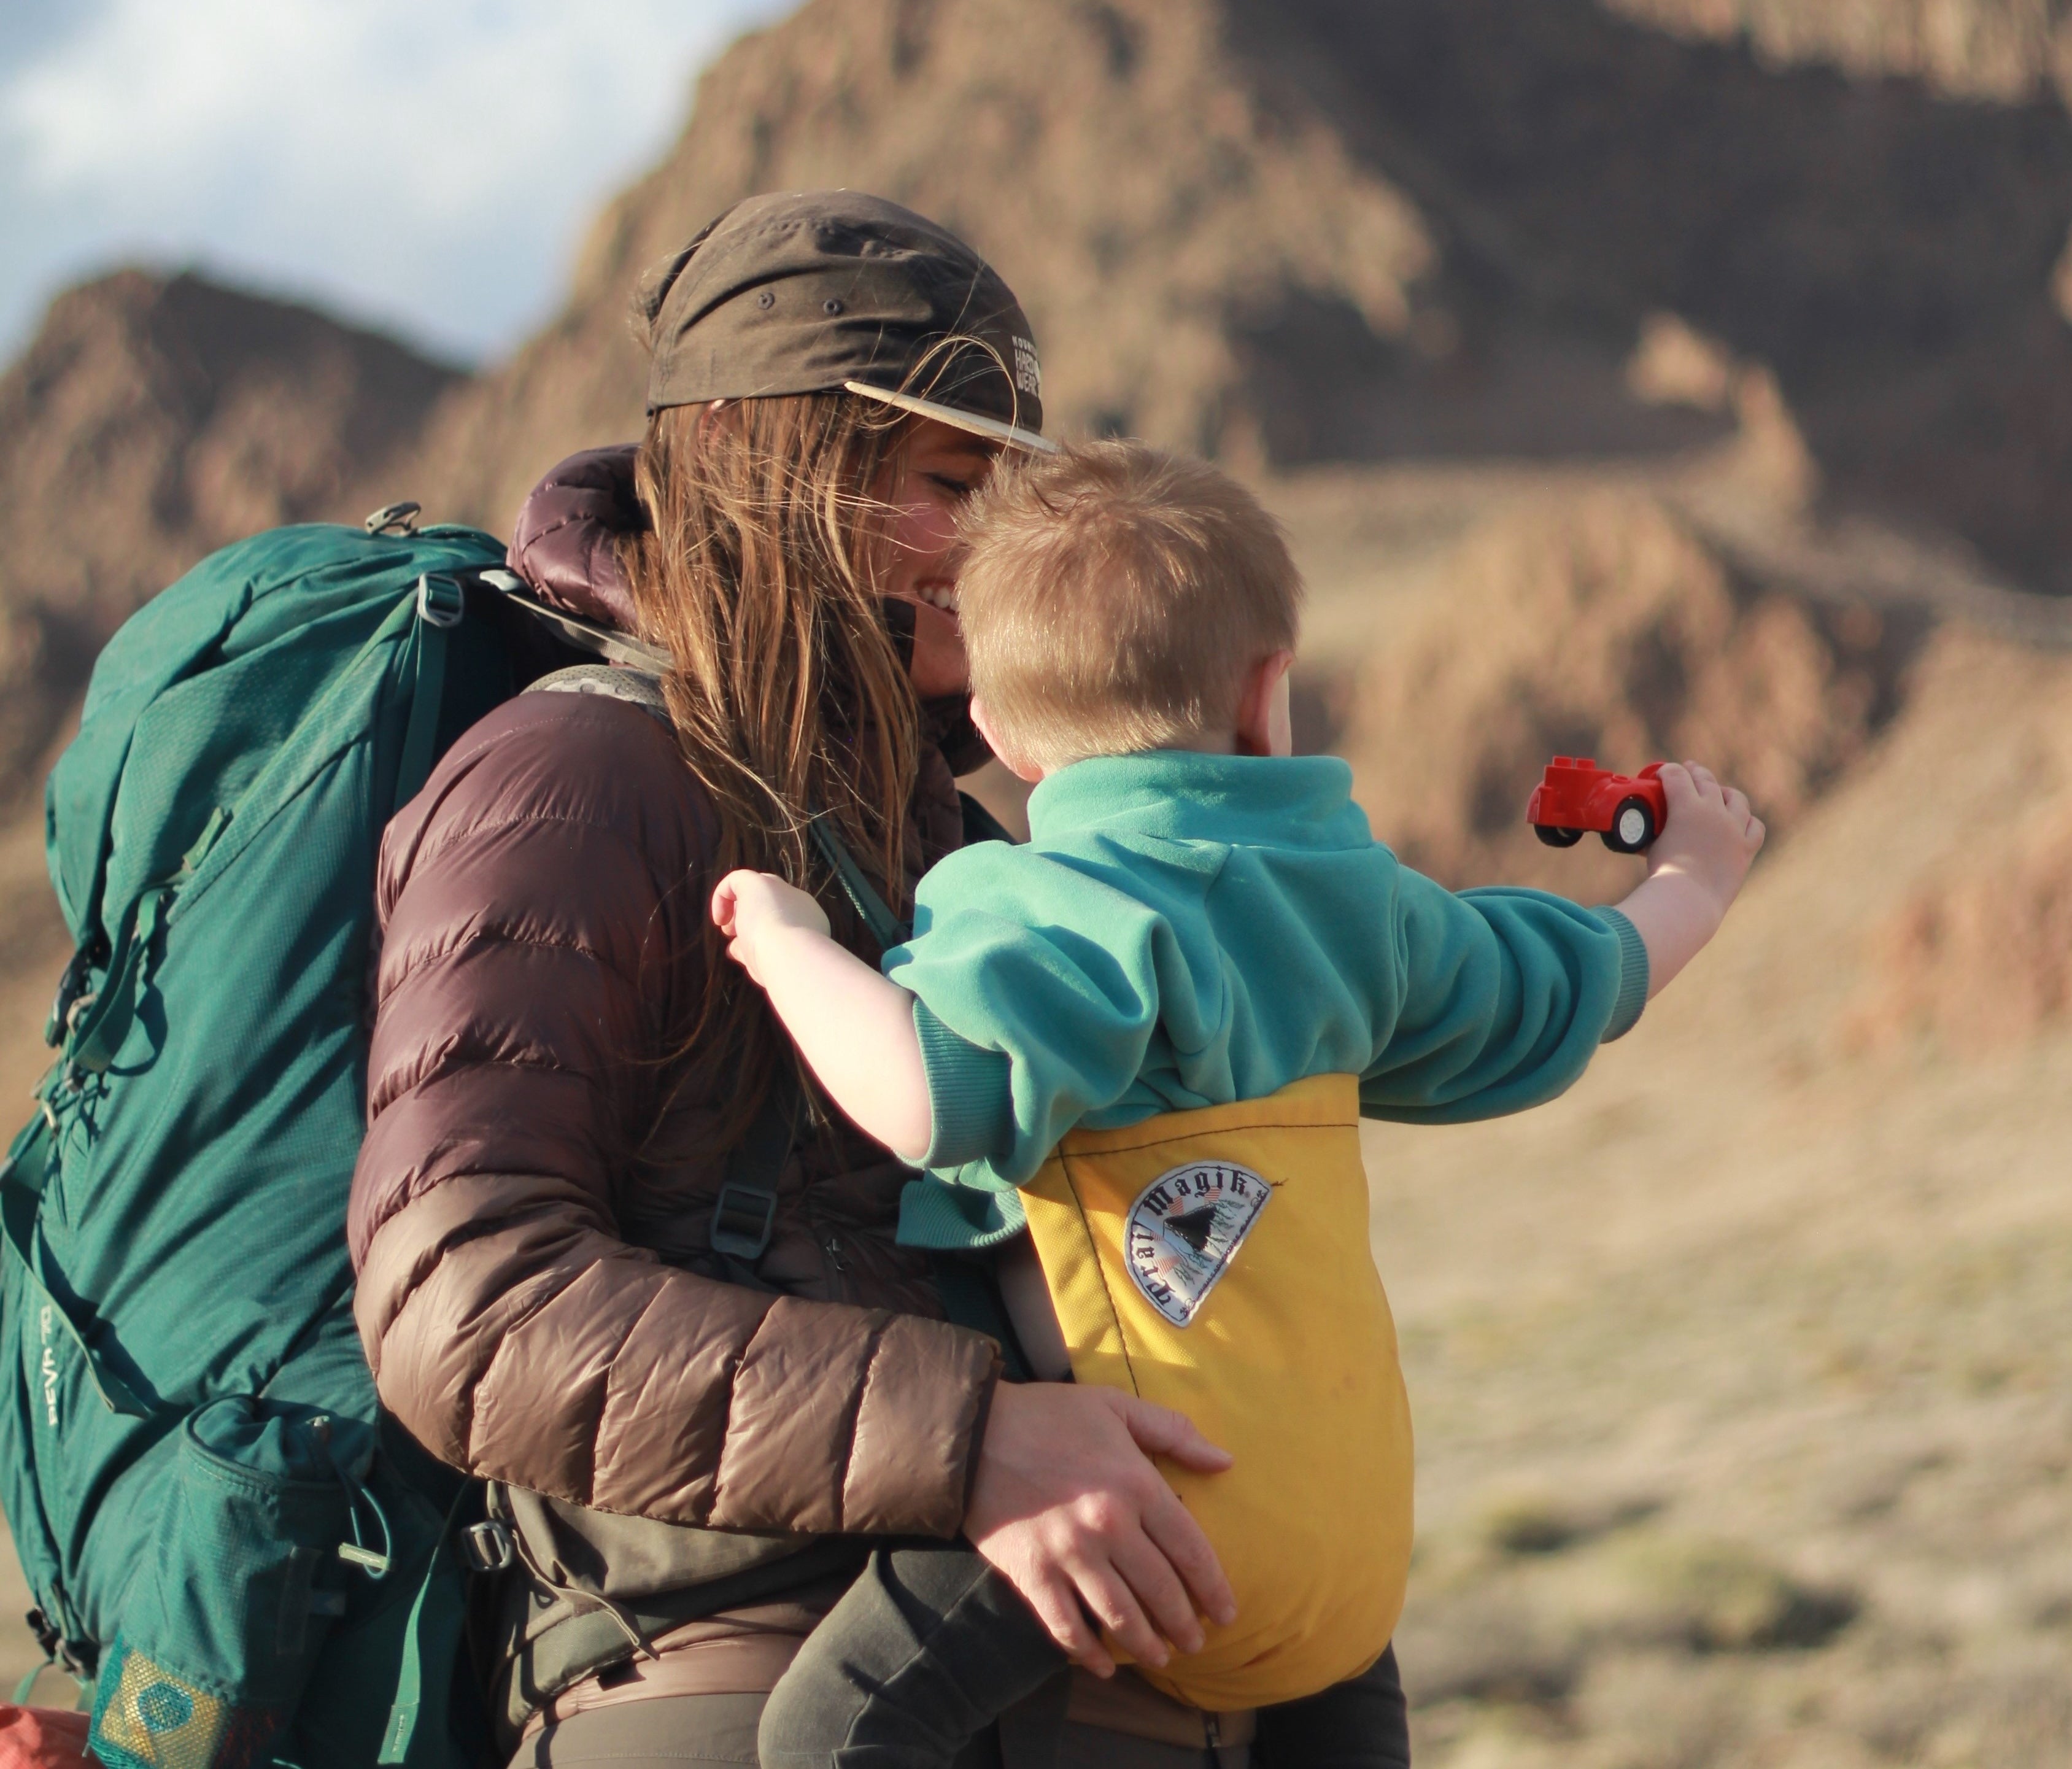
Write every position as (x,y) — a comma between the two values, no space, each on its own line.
(224,1617)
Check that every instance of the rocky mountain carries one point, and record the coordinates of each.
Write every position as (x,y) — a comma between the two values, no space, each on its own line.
(1289,231)
(1286,233)
(151,420)
(1151,203)
(1633,376)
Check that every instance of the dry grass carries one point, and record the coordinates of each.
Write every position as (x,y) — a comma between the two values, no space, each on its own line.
(1745,1407)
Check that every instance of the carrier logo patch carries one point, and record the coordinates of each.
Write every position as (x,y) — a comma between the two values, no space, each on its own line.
(1185,1229)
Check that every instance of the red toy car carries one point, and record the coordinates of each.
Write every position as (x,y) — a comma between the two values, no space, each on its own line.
(1575,795)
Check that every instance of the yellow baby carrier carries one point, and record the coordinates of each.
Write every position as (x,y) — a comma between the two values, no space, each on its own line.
(1216,1262)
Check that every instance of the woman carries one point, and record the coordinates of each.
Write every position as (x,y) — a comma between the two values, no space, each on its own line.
(609,1256)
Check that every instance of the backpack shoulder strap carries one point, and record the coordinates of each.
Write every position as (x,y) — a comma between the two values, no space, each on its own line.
(886,928)
(24,1174)
(980,825)
(745,1214)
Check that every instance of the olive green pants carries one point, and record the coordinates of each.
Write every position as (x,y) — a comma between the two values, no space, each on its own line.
(1357,1725)
(693,1731)
(1354,1726)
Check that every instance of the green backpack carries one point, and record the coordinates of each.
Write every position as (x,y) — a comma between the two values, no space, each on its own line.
(219,1531)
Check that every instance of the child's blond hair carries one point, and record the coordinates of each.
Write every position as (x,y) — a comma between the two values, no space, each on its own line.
(1114,597)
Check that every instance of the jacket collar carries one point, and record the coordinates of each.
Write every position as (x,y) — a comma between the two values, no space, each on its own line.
(1182,795)
(564,543)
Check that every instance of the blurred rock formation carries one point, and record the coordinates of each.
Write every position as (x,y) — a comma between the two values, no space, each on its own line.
(152,420)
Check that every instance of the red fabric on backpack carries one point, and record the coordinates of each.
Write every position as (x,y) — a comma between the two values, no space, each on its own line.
(43,1738)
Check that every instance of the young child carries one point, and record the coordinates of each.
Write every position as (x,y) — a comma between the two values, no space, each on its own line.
(1131,1053)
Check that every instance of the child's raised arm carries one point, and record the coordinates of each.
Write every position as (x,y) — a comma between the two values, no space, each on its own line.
(1695,870)
(854,1029)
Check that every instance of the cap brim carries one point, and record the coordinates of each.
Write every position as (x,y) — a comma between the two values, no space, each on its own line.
(1011,435)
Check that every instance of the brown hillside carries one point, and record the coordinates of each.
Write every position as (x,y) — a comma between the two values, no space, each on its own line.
(1886,252)
(150,420)
(1738,1379)
(1600,625)
(1977,956)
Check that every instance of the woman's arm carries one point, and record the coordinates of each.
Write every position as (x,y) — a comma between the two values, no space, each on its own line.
(531,901)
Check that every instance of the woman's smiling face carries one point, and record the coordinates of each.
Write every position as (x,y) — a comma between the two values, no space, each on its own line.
(938,467)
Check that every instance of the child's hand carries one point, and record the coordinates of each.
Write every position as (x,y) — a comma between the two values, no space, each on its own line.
(750,908)
(1712,836)
(1694,871)
(854,1029)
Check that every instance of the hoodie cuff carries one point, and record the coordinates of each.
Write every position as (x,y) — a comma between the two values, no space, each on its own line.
(968,1097)
(1633,974)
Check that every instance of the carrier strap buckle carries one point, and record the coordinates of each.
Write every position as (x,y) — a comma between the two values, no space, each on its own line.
(487,1547)
(743,1218)
(441,602)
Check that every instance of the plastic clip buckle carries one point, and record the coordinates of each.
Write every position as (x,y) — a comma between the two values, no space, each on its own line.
(78,1659)
(487,1547)
(398,519)
(441,602)
(741,1231)
(71,991)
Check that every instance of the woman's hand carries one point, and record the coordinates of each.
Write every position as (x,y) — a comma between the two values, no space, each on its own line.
(1068,1506)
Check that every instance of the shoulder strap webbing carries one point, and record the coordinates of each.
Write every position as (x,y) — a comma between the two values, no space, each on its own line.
(980,825)
(432,1637)
(745,1214)
(442,605)
(23,1176)
(886,928)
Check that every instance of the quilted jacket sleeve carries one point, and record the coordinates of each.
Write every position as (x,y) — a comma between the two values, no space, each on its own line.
(536,901)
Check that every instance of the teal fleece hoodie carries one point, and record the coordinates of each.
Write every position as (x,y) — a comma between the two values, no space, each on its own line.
(1185,930)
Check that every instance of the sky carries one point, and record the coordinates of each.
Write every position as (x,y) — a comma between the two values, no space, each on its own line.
(425,167)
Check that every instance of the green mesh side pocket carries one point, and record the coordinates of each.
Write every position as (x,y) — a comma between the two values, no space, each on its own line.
(224,1617)
(145,1716)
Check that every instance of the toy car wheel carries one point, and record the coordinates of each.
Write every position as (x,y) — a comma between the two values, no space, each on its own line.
(1633,826)
(1556,838)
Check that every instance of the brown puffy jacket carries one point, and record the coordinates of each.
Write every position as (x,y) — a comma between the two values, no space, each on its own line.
(530,1213)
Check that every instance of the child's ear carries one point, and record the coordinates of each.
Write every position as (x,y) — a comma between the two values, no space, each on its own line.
(1262,707)
(1020,769)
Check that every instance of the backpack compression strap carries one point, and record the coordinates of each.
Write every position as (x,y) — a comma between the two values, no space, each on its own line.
(23,1176)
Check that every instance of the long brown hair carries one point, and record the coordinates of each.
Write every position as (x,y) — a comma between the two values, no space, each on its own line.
(760,574)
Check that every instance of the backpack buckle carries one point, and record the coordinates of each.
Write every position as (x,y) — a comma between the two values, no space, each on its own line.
(441,602)
(78,1659)
(487,1547)
(743,1216)
(395,518)
(71,993)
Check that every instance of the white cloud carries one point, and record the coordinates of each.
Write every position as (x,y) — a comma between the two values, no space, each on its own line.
(428,167)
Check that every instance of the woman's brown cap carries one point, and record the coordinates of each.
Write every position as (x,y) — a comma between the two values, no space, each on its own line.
(816,290)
